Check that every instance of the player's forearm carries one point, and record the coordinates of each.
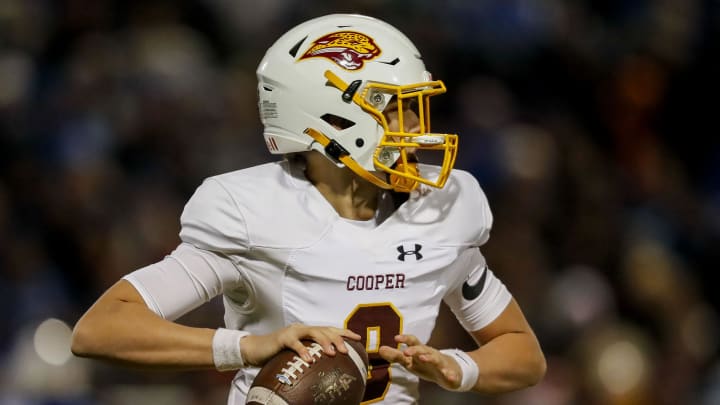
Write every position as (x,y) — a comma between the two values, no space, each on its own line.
(127,332)
(509,362)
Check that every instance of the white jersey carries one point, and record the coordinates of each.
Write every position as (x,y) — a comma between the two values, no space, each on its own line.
(270,242)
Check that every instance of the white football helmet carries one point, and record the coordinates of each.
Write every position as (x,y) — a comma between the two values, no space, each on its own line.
(325,86)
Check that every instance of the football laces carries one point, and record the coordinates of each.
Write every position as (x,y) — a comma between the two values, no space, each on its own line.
(297,366)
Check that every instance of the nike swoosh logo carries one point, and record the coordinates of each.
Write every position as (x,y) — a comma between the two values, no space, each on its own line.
(470,292)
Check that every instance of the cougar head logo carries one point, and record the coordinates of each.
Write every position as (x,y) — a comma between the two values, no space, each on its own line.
(348,49)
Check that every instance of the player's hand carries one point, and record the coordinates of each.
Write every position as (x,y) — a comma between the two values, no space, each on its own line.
(424,361)
(258,349)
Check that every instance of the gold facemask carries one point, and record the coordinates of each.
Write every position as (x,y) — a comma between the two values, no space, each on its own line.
(395,153)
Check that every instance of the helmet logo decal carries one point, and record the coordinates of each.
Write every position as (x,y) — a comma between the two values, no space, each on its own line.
(348,49)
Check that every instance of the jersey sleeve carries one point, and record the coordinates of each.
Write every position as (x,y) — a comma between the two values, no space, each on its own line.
(460,211)
(212,220)
(475,206)
(480,297)
(184,280)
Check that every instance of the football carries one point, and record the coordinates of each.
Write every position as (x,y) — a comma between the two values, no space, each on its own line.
(288,380)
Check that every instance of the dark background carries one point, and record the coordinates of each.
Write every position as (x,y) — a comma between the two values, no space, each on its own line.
(591,125)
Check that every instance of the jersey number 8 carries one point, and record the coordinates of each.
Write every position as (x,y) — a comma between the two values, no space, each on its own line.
(381,322)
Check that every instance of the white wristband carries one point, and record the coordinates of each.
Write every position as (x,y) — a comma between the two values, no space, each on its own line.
(226,349)
(470,370)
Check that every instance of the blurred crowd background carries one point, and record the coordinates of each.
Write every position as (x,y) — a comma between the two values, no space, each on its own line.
(591,125)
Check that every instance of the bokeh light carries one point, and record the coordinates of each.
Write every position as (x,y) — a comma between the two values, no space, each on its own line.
(52,341)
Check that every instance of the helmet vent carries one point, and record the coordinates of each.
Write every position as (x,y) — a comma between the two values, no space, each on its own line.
(293,51)
(338,122)
(392,62)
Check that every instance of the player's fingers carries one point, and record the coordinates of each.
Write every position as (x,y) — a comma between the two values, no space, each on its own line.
(325,338)
(331,339)
(338,336)
(337,340)
(394,356)
(417,350)
(302,351)
(350,334)
(428,358)
(410,340)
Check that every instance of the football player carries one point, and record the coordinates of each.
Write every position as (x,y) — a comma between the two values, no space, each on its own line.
(348,236)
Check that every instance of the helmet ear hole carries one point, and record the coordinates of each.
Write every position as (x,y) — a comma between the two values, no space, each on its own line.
(337,121)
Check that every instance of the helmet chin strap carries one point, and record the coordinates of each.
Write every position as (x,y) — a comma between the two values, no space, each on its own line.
(336,151)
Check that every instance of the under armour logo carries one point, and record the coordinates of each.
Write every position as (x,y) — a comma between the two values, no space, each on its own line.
(404,252)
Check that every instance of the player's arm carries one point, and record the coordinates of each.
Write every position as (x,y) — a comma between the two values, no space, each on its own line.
(120,327)
(509,356)
(132,322)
